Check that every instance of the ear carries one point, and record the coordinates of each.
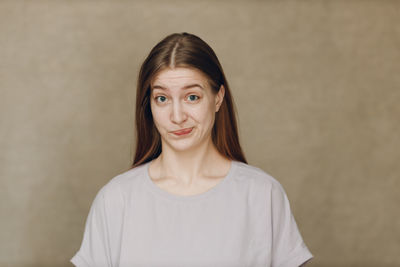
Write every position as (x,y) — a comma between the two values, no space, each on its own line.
(219,98)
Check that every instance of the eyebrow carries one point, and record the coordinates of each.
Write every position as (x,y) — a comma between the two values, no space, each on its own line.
(184,88)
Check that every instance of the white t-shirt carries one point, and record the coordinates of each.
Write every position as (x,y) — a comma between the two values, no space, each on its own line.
(243,221)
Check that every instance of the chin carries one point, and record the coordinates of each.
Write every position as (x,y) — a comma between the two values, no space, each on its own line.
(180,145)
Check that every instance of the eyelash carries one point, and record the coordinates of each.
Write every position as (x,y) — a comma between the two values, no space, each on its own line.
(156,98)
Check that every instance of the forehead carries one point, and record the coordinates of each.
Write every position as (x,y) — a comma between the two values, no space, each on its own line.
(179,77)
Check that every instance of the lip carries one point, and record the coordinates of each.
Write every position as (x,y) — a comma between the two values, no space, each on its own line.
(183,131)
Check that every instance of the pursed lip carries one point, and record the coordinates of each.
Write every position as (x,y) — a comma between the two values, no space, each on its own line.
(183,131)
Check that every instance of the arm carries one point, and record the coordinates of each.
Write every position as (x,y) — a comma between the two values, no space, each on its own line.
(288,246)
(304,264)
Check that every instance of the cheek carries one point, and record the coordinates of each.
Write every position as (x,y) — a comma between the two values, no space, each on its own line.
(206,115)
(158,116)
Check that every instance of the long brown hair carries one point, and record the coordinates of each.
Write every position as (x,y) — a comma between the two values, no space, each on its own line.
(184,50)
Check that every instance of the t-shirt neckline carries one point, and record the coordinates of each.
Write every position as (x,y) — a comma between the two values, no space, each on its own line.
(214,190)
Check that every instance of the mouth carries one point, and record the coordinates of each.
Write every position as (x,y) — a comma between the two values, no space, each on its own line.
(183,131)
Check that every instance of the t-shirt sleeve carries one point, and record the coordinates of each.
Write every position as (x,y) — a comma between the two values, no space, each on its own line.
(288,248)
(102,230)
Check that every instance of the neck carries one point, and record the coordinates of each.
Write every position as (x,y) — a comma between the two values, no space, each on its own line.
(187,166)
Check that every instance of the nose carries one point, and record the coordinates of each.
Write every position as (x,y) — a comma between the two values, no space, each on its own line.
(178,114)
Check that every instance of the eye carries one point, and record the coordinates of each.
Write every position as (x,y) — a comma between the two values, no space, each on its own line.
(160,99)
(193,97)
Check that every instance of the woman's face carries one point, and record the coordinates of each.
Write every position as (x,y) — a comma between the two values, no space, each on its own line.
(183,106)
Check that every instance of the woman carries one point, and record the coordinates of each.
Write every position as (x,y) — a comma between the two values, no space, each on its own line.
(190,198)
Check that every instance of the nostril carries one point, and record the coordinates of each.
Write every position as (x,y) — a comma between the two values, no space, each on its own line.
(178,115)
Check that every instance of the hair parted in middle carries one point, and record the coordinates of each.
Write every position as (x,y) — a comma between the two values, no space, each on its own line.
(184,50)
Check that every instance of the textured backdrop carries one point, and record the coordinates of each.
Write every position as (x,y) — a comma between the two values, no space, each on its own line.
(316,85)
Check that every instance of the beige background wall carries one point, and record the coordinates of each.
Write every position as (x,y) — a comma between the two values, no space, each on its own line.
(316,84)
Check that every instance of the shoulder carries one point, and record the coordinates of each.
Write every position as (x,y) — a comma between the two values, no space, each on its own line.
(256,175)
(122,184)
